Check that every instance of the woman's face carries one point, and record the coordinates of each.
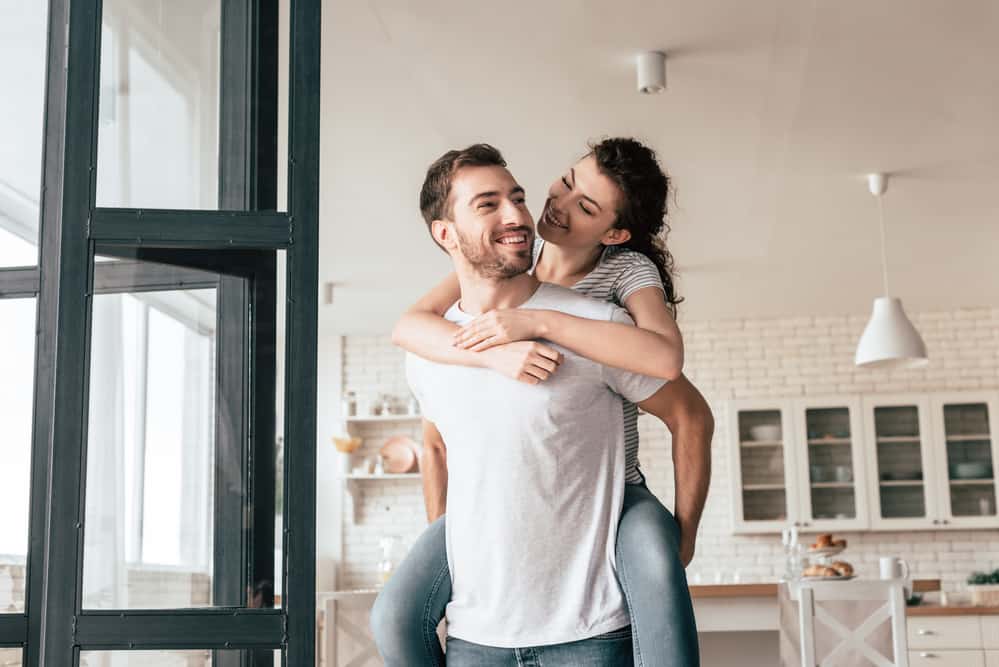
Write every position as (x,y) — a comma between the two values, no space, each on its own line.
(581,208)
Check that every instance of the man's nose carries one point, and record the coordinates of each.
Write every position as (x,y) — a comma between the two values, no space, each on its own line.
(514,215)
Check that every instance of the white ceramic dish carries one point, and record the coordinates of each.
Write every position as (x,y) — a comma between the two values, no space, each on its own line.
(825,551)
(836,578)
(765,432)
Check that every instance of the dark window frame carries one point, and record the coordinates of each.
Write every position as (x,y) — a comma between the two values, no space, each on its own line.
(249,232)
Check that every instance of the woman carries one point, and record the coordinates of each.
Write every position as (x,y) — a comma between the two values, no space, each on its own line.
(599,234)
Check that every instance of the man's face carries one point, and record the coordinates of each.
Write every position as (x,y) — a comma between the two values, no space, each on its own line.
(493,230)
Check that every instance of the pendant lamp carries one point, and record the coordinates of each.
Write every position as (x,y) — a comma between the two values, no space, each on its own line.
(889,340)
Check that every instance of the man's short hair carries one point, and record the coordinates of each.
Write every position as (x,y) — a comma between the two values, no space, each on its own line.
(435,195)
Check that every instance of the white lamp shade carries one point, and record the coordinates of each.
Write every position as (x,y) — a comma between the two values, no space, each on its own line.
(890,340)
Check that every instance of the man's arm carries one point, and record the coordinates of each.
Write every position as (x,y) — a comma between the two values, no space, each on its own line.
(433,466)
(687,415)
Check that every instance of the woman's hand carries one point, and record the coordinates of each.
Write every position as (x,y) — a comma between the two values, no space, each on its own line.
(497,327)
(524,361)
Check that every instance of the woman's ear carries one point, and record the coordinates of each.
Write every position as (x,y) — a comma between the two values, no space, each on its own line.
(443,234)
(615,236)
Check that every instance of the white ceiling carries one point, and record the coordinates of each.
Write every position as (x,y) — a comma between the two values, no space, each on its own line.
(774,111)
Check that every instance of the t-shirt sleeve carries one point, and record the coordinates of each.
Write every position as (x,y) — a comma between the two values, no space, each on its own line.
(636,272)
(633,386)
(539,243)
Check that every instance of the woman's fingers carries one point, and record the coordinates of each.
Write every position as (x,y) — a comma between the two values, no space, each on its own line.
(548,352)
(484,344)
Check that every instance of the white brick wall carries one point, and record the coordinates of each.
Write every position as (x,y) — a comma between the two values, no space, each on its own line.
(746,358)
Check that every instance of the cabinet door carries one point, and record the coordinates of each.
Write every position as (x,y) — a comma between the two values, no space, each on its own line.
(900,462)
(764,477)
(831,467)
(964,425)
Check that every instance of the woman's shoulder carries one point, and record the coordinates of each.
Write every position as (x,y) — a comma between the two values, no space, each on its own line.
(625,258)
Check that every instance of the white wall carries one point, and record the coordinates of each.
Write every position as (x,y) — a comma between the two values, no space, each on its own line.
(725,359)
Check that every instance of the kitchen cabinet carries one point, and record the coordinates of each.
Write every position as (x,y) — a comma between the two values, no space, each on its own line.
(830,464)
(931,465)
(798,461)
(765,481)
(882,462)
(963,426)
(961,641)
(901,462)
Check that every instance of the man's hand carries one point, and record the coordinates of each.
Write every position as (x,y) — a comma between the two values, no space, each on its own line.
(524,361)
(497,327)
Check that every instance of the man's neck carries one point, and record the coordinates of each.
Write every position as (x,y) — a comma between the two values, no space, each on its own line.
(480,294)
(573,264)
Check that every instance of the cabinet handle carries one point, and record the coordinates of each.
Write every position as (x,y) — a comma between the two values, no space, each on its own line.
(926,654)
(806,524)
(945,521)
(922,632)
(936,522)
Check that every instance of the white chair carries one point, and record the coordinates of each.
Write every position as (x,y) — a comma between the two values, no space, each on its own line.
(851,641)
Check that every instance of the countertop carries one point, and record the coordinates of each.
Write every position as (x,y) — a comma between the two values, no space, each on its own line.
(769,589)
(950,610)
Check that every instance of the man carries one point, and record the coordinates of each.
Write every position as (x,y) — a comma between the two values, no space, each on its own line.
(534,471)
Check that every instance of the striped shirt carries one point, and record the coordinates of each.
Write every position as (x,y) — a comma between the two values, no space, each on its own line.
(619,274)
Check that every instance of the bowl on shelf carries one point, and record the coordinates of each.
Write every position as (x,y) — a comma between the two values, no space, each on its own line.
(819,473)
(973,470)
(765,432)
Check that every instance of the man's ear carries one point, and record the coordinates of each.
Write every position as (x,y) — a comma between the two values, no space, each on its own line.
(443,232)
(615,236)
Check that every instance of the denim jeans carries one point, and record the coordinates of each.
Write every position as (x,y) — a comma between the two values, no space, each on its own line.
(612,649)
(664,634)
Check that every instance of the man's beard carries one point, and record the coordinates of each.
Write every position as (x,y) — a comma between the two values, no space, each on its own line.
(490,264)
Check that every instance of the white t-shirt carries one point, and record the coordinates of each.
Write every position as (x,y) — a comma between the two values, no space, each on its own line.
(535,485)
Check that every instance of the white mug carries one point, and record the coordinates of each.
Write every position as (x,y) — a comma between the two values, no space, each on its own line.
(893,567)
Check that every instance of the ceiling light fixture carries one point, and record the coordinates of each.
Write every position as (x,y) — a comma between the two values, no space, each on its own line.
(889,340)
(651,67)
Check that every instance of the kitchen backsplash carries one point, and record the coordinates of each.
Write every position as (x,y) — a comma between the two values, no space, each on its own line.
(747,358)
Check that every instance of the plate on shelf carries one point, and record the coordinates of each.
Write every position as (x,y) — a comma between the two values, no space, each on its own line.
(825,551)
(836,578)
(401,454)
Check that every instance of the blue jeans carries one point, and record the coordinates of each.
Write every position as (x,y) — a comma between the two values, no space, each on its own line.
(612,649)
(406,613)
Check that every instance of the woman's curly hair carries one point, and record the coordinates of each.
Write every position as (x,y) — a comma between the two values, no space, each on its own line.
(645,188)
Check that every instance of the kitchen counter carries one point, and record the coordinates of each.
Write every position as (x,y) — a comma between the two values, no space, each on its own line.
(951,610)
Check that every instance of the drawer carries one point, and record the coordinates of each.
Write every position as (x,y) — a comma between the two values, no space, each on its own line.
(990,631)
(926,632)
(992,659)
(946,658)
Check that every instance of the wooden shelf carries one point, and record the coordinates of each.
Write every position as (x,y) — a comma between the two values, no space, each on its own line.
(973,482)
(763,487)
(387,475)
(902,482)
(829,441)
(968,438)
(898,438)
(762,443)
(380,419)
(832,485)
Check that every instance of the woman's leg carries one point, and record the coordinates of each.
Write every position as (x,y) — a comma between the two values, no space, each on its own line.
(650,572)
(406,613)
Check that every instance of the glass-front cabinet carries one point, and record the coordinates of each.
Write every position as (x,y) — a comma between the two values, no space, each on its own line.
(900,462)
(831,469)
(964,426)
(763,466)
